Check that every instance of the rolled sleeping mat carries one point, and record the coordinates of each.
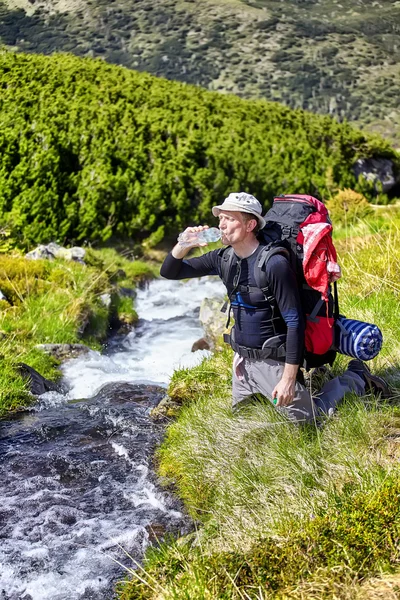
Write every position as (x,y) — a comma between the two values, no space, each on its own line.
(358,339)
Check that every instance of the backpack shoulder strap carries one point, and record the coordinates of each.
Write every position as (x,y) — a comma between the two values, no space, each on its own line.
(259,273)
(226,258)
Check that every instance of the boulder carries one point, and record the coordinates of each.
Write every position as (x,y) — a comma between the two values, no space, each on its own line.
(212,320)
(37,383)
(377,170)
(201,344)
(120,392)
(41,252)
(53,250)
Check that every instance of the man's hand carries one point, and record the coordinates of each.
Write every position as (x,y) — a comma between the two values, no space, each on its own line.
(180,251)
(284,390)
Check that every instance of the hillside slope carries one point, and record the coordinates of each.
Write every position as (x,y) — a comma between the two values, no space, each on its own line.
(90,150)
(339,57)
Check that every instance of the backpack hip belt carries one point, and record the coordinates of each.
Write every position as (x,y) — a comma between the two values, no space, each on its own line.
(278,353)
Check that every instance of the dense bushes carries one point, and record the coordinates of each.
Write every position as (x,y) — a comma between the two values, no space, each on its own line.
(89,150)
(230,46)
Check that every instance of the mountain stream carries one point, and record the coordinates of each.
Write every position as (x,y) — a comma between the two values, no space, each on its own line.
(78,496)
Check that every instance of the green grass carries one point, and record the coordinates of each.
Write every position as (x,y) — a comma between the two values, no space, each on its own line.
(58,302)
(326,557)
(282,511)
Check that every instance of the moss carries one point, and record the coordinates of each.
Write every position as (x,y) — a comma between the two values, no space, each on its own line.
(211,377)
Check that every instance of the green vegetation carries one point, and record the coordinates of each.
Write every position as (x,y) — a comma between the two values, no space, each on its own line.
(338,57)
(90,151)
(326,557)
(348,206)
(57,302)
(285,512)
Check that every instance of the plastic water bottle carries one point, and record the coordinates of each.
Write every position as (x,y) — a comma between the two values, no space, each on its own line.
(191,238)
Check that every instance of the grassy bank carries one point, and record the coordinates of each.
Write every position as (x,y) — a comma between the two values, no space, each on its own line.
(280,511)
(59,301)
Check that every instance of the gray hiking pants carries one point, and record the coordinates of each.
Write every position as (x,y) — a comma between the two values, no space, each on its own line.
(251,376)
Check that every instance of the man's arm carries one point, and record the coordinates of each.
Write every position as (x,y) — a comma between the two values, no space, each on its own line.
(283,284)
(179,252)
(285,389)
(174,267)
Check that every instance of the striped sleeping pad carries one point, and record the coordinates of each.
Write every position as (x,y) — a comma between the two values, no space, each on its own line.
(358,339)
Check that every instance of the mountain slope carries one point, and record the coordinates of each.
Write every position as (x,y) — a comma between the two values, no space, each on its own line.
(328,56)
(89,150)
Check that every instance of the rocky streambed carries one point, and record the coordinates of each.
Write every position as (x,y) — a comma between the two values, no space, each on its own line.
(78,496)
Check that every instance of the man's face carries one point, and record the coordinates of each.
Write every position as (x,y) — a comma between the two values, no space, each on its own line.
(233,227)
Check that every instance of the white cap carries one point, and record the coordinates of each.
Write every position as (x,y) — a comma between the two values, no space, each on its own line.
(241,202)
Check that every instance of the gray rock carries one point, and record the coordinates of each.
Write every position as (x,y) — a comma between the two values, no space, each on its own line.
(64,351)
(77,253)
(212,319)
(376,170)
(105,300)
(41,252)
(53,250)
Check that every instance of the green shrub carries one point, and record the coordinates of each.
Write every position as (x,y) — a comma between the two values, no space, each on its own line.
(90,151)
(347,207)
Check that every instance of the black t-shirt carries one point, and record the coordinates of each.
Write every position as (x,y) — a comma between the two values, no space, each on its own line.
(252,313)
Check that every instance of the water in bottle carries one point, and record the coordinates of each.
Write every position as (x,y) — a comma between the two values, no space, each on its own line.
(189,238)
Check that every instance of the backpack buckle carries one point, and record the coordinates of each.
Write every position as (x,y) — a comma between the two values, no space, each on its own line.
(286,232)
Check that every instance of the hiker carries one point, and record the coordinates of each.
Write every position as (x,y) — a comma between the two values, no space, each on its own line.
(262,362)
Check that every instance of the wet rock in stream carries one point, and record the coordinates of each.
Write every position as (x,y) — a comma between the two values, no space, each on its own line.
(37,383)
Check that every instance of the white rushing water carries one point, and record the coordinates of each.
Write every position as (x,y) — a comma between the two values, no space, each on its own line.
(77,488)
(161,342)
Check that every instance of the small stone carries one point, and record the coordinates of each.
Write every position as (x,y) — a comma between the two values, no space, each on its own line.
(64,351)
(201,344)
(105,300)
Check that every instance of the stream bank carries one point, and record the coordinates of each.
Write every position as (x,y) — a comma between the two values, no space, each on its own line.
(78,487)
(60,302)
